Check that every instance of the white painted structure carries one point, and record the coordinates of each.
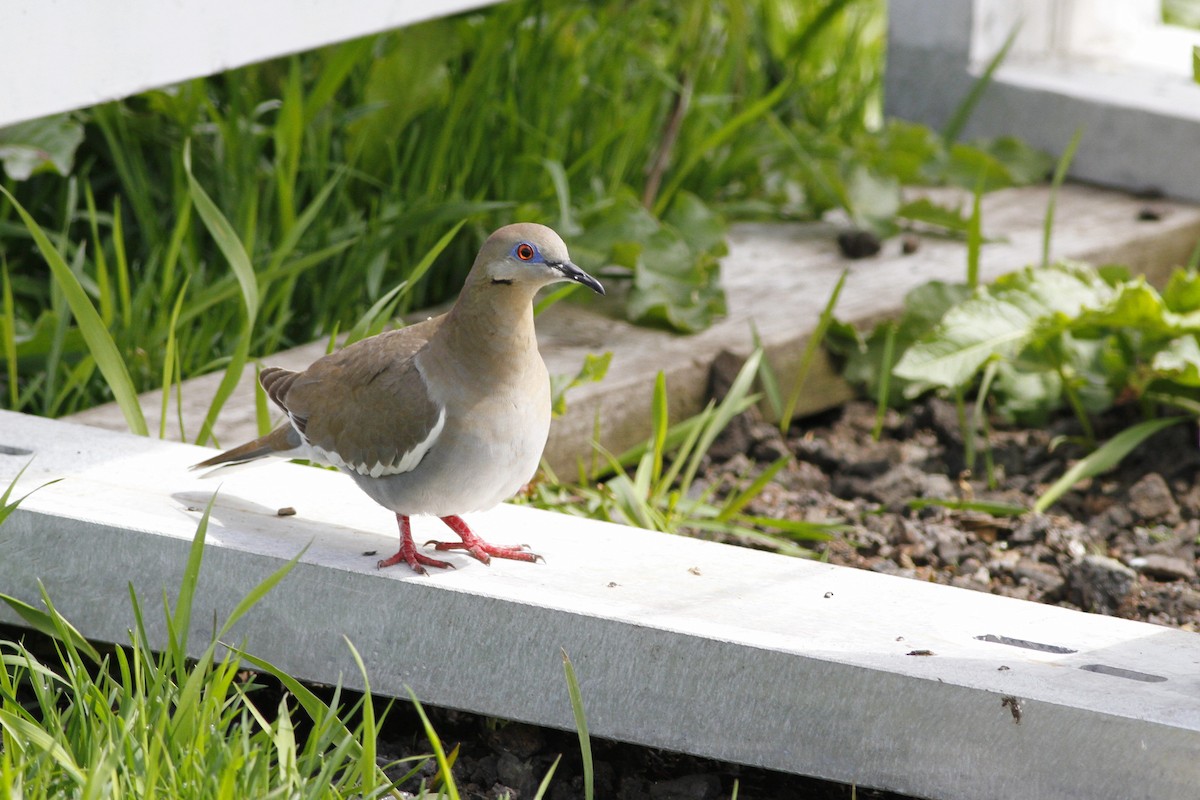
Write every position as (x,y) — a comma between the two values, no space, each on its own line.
(678,643)
(59,55)
(1104,65)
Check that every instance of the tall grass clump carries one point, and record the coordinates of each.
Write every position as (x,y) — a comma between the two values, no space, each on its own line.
(145,720)
(339,170)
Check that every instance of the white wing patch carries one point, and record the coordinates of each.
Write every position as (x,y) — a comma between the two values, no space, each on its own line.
(405,462)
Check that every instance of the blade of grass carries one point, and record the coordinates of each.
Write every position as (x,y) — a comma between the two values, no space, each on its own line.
(659,425)
(366,759)
(766,375)
(98,257)
(717,138)
(235,254)
(439,752)
(1060,174)
(122,265)
(995,508)
(171,359)
(99,341)
(735,401)
(739,501)
(958,120)
(372,321)
(9,331)
(585,740)
(975,235)
(1104,458)
(810,352)
(46,624)
(885,380)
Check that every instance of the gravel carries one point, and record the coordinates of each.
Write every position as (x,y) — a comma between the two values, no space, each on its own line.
(1124,543)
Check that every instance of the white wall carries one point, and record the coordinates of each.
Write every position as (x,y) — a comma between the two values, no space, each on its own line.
(58,55)
(1077,63)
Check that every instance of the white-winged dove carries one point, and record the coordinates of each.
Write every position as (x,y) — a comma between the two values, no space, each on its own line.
(444,417)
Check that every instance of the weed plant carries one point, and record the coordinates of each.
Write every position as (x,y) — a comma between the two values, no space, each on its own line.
(1045,339)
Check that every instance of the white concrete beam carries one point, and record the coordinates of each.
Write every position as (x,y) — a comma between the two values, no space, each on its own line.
(59,55)
(1139,126)
(681,644)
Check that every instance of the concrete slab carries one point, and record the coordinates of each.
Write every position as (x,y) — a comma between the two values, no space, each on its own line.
(681,644)
(777,277)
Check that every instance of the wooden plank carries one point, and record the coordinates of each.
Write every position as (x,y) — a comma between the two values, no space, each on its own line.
(681,644)
(777,278)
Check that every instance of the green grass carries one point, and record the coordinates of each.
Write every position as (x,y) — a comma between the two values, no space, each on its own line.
(134,721)
(275,202)
(656,485)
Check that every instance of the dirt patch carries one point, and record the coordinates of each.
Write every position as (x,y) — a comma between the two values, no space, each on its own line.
(1124,543)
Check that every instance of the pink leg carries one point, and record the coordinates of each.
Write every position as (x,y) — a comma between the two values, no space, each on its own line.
(408,552)
(478,547)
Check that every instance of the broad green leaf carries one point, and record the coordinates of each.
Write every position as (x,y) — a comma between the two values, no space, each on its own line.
(1179,361)
(874,200)
(970,167)
(40,145)
(927,212)
(675,272)
(980,328)
(594,368)
(700,226)
(1023,163)
(1182,292)
(905,150)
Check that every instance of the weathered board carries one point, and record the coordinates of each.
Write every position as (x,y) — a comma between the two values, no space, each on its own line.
(777,278)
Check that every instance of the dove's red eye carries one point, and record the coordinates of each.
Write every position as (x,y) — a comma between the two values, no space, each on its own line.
(525,252)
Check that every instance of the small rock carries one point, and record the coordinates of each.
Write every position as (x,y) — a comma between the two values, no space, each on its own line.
(949,542)
(803,475)
(858,243)
(517,773)
(1151,499)
(1031,528)
(903,483)
(1100,584)
(1164,568)
(522,740)
(633,788)
(1046,577)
